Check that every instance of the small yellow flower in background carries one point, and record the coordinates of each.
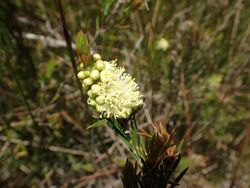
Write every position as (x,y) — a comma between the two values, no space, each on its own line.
(112,92)
(162,44)
(214,81)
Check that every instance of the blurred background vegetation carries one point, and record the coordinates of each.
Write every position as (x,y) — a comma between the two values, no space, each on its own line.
(190,58)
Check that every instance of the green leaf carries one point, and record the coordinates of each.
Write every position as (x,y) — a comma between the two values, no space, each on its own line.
(135,139)
(122,135)
(98,123)
(51,67)
(180,145)
(107,4)
(82,43)
(130,146)
(116,125)
(97,23)
(134,136)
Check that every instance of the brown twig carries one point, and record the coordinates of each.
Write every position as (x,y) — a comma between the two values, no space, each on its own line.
(71,120)
(102,173)
(187,113)
(234,28)
(69,46)
(153,23)
(49,148)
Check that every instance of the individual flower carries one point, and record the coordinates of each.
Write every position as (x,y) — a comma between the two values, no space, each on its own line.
(112,92)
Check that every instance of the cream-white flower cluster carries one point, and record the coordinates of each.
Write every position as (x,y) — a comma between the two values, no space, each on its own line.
(111,91)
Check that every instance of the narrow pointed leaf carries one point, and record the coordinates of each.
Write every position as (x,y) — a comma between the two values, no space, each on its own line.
(179,177)
(98,123)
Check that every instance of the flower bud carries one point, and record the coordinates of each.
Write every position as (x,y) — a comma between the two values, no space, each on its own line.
(95,89)
(94,74)
(90,94)
(83,74)
(100,65)
(80,75)
(87,82)
(100,100)
(81,66)
(91,102)
(97,57)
